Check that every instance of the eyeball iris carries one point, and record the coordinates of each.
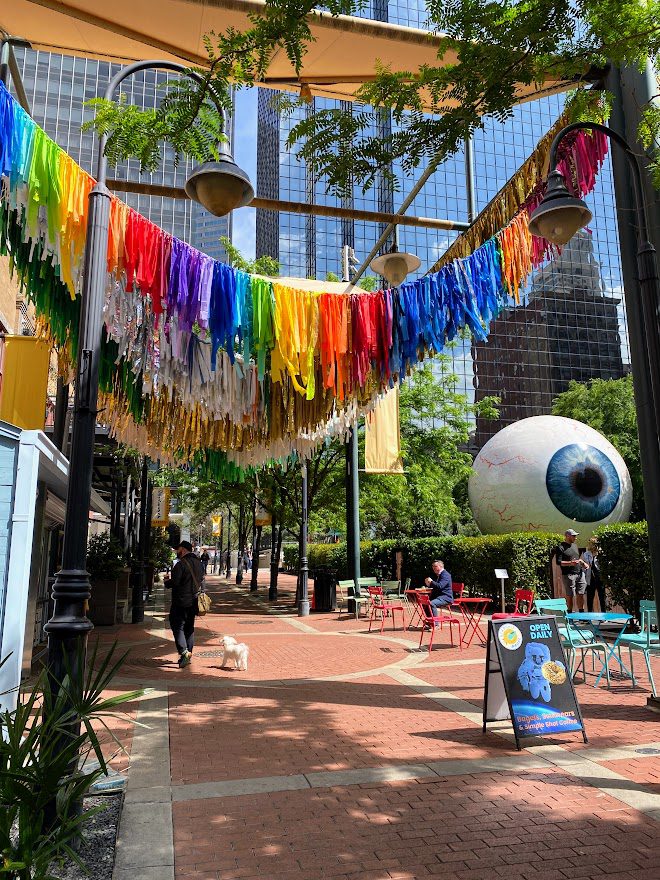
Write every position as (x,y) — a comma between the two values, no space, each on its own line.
(582,482)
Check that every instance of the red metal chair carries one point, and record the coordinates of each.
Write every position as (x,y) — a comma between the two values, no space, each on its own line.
(384,607)
(457,589)
(431,623)
(523,597)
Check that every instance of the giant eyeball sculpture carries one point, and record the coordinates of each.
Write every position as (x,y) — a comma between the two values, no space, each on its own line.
(549,474)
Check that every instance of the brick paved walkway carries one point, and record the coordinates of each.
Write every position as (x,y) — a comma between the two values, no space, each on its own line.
(344,754)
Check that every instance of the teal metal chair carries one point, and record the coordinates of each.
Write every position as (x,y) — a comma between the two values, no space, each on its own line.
(367,582)
(573,639)
(647,641)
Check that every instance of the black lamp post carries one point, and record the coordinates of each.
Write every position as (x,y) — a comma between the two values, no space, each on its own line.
(303,604)
(220,187)
(558,218)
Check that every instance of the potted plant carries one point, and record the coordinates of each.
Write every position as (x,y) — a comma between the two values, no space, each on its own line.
(105,563)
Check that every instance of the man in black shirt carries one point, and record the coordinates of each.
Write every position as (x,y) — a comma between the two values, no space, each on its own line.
(572,570)
(185,583)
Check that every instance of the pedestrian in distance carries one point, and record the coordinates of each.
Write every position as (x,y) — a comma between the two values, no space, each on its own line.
(186,584)
(573,568)
(205,560)
(594,577)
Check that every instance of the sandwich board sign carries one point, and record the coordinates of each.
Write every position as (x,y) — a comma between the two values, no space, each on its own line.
(528,679)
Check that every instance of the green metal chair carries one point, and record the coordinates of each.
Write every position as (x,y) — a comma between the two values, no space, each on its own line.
(572,638)
(346,591)
(368,582)
(646,641)
(391,588)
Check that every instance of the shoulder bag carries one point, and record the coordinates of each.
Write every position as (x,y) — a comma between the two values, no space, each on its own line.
(203,599)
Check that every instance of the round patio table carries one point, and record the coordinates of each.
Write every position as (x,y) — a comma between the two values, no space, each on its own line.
(594,620)
(473,609)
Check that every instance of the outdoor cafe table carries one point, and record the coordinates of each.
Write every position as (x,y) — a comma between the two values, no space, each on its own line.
(416,614)
(594,620)
(472,609)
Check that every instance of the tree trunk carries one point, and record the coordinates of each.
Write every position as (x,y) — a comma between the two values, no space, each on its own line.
(241,545)
(255,559)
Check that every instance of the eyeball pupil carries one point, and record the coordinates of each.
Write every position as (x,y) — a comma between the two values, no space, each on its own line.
(588,482)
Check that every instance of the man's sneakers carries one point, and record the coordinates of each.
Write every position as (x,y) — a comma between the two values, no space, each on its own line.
(184,659)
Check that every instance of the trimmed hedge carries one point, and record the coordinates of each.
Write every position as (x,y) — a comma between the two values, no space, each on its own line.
(472,560)
(625,563)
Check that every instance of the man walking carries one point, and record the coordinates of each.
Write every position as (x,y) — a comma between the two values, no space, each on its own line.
(185,583)
(442,594)
(572,568)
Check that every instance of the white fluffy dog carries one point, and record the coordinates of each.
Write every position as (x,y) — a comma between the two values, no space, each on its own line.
(236,651)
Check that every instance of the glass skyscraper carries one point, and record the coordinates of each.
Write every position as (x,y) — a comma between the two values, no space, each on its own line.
(57,87)
(571,324)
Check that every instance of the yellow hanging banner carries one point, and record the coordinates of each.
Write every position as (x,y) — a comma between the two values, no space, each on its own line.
(217,525)
(382,449)
(160,508)
(24,382)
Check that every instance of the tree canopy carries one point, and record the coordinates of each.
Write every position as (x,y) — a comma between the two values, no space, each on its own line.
(496,44)
(608,405)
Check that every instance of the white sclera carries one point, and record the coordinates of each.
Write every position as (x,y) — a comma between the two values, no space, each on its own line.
(508,490)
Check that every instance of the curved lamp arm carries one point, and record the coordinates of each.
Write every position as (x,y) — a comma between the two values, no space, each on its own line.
(121,75)
(632,159)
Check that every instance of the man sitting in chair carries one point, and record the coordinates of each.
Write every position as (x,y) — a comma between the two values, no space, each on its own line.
(441,592)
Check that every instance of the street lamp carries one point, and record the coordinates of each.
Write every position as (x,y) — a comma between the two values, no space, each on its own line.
(69,625)
(557,218)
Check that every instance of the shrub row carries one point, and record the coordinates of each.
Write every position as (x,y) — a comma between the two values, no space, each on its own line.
(526,555)
(625,563)
(472,560)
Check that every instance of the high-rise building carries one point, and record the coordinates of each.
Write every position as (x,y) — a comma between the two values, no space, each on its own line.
(57,87)
(522,338)
(567,330)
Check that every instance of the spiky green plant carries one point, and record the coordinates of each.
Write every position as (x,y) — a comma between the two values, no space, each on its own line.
(45,742)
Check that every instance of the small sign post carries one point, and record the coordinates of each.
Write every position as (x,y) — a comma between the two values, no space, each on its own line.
(503,575)
(528,679)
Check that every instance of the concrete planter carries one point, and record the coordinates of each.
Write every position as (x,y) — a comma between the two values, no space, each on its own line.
(124,597)
(103,603)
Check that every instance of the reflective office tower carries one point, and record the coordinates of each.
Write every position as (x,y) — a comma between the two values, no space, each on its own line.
(57,88)
(571,324)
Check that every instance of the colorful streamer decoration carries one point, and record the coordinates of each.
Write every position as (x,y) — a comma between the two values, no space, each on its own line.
(205,365)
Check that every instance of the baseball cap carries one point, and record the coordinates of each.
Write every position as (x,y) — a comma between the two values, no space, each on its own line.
(571,532)
(186,546)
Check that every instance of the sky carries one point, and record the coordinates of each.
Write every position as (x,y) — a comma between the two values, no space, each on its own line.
(245,155)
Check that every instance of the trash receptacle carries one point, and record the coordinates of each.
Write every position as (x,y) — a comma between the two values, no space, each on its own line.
(324,590)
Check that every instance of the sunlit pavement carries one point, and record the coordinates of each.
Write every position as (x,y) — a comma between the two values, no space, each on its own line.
(345,754)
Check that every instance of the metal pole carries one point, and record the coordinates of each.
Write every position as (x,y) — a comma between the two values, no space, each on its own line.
(469,181)
(303,606)
(407,202)
(281,206)
(229,544)
(274,561)
(61,406)
(141,580)
(254,573)
(353,505)
(633,90)
(69,626)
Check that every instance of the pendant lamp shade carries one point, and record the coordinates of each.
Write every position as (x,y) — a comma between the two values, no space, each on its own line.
(395,266)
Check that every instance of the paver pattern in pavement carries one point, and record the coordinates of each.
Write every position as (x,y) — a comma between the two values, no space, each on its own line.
(351,755)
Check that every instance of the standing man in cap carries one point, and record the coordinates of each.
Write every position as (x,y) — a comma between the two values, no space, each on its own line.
(186,584)
(573,569)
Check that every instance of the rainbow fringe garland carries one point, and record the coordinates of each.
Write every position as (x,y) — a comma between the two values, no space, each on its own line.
(202,362)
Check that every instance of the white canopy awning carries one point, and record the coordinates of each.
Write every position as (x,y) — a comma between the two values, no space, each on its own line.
(343,57)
